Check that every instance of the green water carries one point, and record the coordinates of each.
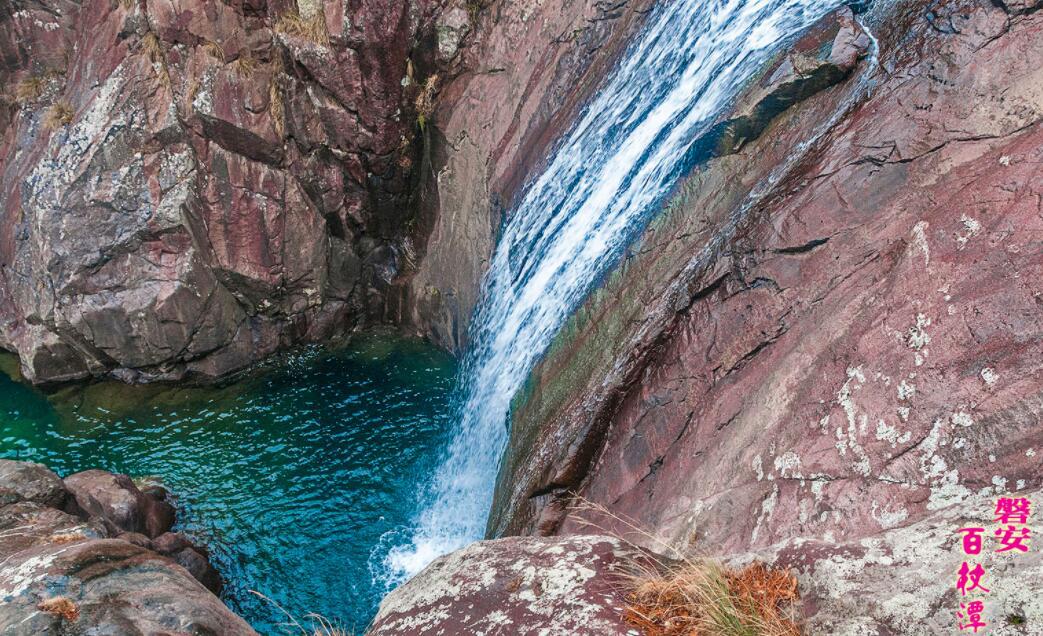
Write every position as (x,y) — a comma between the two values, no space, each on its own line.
(290,476)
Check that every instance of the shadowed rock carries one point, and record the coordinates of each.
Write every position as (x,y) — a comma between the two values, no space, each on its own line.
(62,572)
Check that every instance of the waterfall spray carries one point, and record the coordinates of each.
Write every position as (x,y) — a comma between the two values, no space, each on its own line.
(609,173)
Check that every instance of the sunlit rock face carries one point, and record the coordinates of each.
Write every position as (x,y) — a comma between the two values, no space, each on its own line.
(519,585)
(188,186)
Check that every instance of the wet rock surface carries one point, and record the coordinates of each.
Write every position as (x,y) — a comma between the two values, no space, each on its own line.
(503,103)
(68,566)
(826,338)
(519,585)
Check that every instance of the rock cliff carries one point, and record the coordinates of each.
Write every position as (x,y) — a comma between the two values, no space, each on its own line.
(188,186)
(829,336)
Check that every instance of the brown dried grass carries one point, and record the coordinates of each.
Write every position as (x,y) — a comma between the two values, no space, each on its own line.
(317,625)
(684,594)
(30,89)
(425,101)
(58,115)
(314,28)
(60,606)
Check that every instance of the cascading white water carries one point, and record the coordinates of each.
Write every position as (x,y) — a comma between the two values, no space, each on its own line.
(612,169)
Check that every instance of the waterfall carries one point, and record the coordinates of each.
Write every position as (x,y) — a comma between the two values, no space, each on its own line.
(609,173)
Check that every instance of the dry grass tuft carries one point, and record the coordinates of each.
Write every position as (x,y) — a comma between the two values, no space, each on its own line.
(317,625)
(425,101)
(214,50)
(60,606)
(58,115)
(152,47)
(314,28)
(245,65)
(30,89)
(688,595)
(697,598)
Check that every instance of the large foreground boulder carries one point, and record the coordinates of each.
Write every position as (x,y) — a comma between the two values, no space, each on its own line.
(520,585)
(69,565)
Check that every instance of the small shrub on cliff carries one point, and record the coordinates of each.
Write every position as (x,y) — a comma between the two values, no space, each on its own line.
(425,101)
(30,89)
(58,115)
(314,28)
(60,606)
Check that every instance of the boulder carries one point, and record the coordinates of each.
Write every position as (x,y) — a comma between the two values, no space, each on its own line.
(117,499)
(76,563)
(568,586)
(106,586)
(26,481)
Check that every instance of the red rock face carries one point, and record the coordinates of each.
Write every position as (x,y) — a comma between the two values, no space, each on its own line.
(860,355)
(188,185)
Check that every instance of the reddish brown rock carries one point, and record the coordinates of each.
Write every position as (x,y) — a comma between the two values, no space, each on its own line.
(510,94)
(186,187)
(51,559)
(116,499)
(26,481)
(522,585)
(856,357)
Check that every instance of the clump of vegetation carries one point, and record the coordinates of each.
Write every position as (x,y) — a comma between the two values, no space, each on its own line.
(152,47)
(58,115)
(703,597)
(276,102)
(425,101)
(214,50)
(314,28)
(245,65)
(474,7)
(317,625)
(30,89)
(60,606)
(688,595)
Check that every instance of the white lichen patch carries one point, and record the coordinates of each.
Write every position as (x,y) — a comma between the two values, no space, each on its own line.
(920,240)
(891,434)
(767,508)
(916,337)
(888,518)
(962,419)
(758,467)
(989,376)
(857,423)
(906,390)
(788,465)
(971,228)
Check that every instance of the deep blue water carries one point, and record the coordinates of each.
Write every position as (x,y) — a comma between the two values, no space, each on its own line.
(290,476)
